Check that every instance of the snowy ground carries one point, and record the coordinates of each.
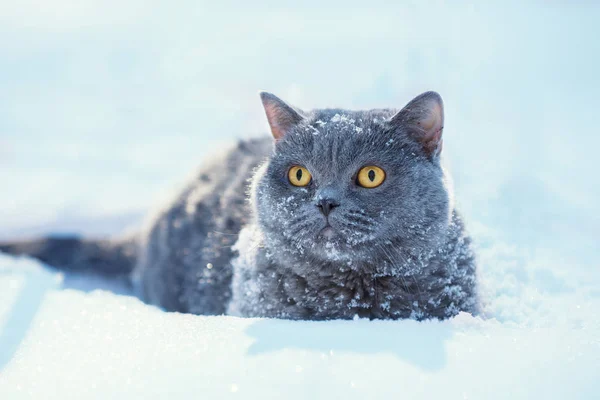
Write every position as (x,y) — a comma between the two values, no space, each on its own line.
(64,343)
(107,105)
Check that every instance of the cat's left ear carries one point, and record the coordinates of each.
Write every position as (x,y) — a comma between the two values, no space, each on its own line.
(423,117)
(281,116)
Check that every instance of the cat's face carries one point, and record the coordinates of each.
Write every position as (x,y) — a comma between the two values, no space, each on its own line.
(344,185)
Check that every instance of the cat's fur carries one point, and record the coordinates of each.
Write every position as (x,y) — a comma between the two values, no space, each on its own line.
(395,251)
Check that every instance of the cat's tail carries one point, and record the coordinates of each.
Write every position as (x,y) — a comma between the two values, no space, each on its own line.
(73,254)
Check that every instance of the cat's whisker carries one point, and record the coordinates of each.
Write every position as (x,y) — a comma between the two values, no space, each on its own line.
(224,233)
(360,219)
(394,264)
(302,226)
(357,213)
(357,226)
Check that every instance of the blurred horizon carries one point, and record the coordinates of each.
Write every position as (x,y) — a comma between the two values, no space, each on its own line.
(107,107)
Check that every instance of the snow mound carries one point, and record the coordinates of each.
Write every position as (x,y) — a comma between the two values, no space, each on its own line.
(63,343)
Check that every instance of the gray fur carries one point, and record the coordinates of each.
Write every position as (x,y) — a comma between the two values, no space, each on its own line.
(74,254)
(399,250)
(198,228)
(396,251)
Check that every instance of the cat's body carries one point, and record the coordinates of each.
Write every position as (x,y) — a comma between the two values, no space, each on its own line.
(438,284)
(324,247)
(185,256)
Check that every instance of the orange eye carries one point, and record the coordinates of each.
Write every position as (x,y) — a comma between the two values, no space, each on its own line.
(299,176)
(370,177)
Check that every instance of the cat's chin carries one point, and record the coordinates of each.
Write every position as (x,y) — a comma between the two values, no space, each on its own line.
(331,246)
(327,233)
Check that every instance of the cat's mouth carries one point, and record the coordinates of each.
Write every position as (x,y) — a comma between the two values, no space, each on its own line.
(327,232)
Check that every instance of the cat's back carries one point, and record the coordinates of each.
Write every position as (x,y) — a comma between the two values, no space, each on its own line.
(184,262)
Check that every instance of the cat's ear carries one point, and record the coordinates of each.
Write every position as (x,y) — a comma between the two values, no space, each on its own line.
(281,116)
(424,119)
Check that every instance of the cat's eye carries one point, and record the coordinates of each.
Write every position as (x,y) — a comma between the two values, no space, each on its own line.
(299,176)
(370,176)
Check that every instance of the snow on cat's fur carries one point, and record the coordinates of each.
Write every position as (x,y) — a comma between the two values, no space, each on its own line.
(398,250)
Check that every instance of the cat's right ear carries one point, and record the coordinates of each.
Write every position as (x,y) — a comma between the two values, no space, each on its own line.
(281,116)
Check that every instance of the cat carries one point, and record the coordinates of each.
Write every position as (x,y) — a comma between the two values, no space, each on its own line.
(341,214)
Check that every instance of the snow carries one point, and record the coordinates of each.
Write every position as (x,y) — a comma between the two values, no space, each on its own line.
(60,340)
(520,150)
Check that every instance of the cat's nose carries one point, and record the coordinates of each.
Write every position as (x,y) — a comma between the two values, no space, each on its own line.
(326,205)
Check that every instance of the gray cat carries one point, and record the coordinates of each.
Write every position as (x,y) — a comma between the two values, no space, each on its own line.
(350,214)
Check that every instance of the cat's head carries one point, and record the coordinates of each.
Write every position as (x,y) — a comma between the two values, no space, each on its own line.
(352,185)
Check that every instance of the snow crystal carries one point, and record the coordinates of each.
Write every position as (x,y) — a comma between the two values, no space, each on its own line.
(312,129)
